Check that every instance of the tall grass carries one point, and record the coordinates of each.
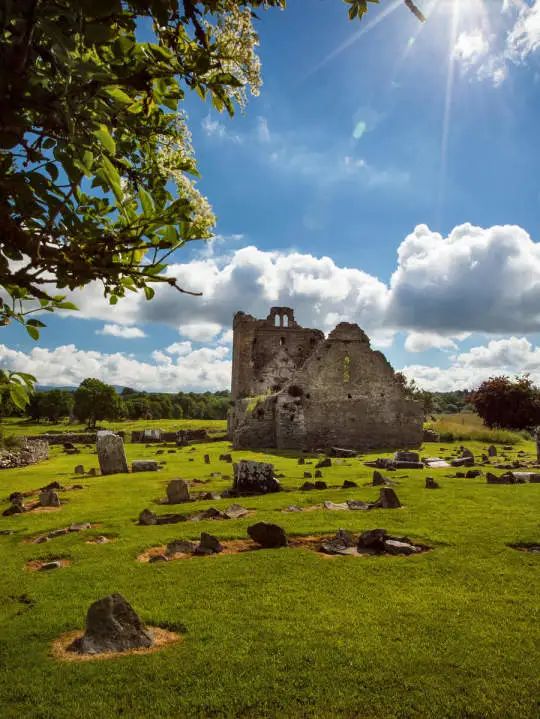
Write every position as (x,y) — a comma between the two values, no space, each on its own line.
(468,427)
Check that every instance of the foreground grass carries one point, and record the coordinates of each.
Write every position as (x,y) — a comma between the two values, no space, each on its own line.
(279,633)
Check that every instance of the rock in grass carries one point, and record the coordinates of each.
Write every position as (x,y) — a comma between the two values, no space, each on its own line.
(147,517)
(307,486)
(431,483)
(158,558)
(326,462)
(112,625)
(335,505)
(182,546)
(321,485)
(235,511)
(372,540)
(144,465)
(388,499)
(14,508)
(178,491)
(268,535)
(208,544)
(50,565)
(377,479)
(308,475)
(394,546)
(79,469)
(318,474)
(348,484)
(49,498)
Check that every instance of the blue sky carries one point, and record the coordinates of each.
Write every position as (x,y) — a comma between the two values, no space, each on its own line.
(387,175)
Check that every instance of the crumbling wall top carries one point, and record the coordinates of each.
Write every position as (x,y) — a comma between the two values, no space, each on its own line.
(347,331)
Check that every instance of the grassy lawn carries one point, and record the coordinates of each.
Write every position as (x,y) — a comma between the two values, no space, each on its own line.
(279,633)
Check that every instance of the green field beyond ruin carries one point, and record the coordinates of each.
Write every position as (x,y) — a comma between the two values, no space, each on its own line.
(289,632)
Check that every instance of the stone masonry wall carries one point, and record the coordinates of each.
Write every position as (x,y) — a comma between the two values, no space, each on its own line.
(344,394)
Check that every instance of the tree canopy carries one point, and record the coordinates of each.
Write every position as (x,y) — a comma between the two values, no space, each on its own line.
(507,403)
(94,400)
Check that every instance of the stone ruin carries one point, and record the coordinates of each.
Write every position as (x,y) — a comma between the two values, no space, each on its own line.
(292,388)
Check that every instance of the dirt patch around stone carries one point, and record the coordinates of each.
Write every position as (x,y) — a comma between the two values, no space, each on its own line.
(41,565)
(62,532)
(240,546)
(102,539)
(531,548)
(162,638)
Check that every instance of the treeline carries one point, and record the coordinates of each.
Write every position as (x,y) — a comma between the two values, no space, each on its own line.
(94,400)
(451,402)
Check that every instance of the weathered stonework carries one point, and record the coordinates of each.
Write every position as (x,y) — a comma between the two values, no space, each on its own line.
(294,389)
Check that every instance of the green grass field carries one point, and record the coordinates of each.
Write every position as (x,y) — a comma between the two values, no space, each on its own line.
(278,633)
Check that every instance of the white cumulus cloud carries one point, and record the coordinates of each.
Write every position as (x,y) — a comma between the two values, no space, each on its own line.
(121,331)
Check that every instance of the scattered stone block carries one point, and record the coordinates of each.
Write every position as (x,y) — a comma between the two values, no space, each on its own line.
(393,546)
(318,474)
(307,475)
(225,458)
(356,504)
(373,540)
(326,462)
(144,465)
(388,499)
(341,452)
(377,479)
(268,535)
(402,456)
(429,435)
(182,546)
(158,558)
(321,485)
(301,460)
(111,453)
(50,565)
(208,544)
(236,511)
(178,491)
(492,450)
(254,478)
(80,527)
(49,498)
(207,459)
(472,473)
(307,486)
(462,462)
(436,463)
(348,484)
(147,517)
(432,484)
(336,505)
(79,469)
(112,625)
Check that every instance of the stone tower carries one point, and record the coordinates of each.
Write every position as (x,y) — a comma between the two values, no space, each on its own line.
(267,352)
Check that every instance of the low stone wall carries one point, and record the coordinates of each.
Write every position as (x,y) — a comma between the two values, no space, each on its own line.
(30,453)
(71,437)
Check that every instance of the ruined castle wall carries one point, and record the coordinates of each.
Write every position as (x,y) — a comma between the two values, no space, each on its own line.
(266,354)
(344,394)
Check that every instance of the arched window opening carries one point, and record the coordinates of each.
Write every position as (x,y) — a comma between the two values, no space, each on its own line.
(285,320)
(277,321)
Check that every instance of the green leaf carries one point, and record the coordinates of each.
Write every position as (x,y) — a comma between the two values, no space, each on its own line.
(113,299)
(18,395)
(147,203)
(66,306)
(32,331)
(119,95)
(105,138)
(113,178)
(149,292)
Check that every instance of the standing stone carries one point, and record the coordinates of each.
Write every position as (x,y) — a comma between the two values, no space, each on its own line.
(318,474)
(377,479)
(254,478)
(207,459)
(326,462)
(431,483)
(389,499)
(178,491)
(268,535)
(112,626)
(147,517)
(111,454)
(492,450)
(49,498)
(79,469)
